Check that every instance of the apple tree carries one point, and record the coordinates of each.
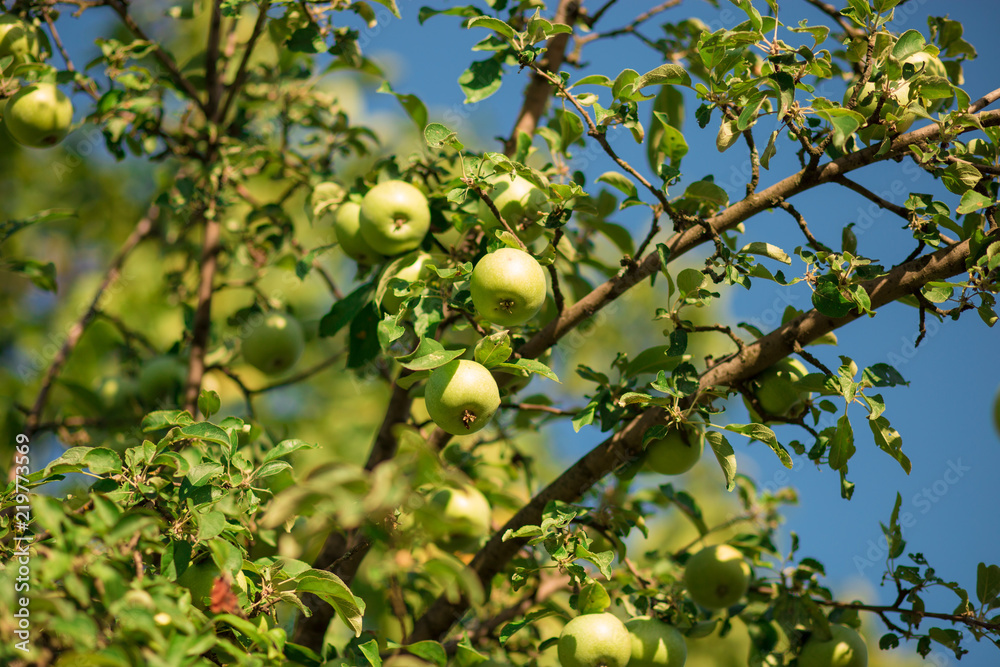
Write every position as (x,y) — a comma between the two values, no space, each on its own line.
(289,384)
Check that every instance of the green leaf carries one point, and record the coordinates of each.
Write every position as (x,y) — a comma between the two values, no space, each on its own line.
(669,142)
(343,312)
(331,589)
(530,365)
(494,24)
(725,455)
(70,461)
(209,402)
(663,75)
(828,299)
(391,6)
(42,275)
(207,432)
(593,599)
(429,354)
(973,201)
(412,104)
(437,135)
(987,583)
(844,122)
(767,250)
(909,43)
(842,444)
(481,80)
(370,650)
(707,191)
(363,341)
(102,460)
(619,182)
(286,447)
(765,435)
(493,349)
(889,441)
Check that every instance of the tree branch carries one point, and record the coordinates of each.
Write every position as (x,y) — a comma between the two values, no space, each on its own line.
(626,444)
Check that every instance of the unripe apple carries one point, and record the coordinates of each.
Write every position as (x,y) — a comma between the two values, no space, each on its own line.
(595,640)
(117,393)
(775,388)
(521,203)
(676,453)
(868,99)
(394,218)
(461,396)
(655,644)
(275,345)
(508,287)
(846,649)
(161,380)
(38,116)
(346,225)
(18,39)
(717,577)
(465,510)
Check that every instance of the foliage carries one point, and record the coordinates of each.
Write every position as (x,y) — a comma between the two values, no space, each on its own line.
(239,518)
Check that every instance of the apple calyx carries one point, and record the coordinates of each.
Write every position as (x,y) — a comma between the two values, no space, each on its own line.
(507,304)
(468,418)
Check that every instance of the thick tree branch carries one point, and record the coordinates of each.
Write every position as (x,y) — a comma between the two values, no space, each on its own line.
(202,326)
(626,444)
(685,241)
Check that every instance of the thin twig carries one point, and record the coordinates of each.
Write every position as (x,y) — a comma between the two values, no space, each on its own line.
(299,377)
(814,243)
(141,230)
(241,74)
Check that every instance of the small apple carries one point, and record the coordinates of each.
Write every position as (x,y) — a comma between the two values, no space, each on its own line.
(346,225)
(38,116)
(464,510)
(846,649)
(275,345)
(676,453)
(775,388)
(461,396)
(717,577)
(18,39)
(655,644)
(394,218)
(521,203)
(117,393)
(411,269)
(595,640)
(508,287)
(867,100)
(161,380)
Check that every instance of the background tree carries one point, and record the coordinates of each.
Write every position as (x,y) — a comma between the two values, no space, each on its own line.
(233,282)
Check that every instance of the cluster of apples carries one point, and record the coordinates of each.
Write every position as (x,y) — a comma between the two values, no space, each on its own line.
(39,115)
(716,577)
(507,285)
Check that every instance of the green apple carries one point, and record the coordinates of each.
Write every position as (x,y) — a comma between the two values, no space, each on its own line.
(521,203)
(411,269)
(655,644)
(275,345)
(464,510)
(38,116)
(717,577)
(508,287)
(775,388)
(867,100)
(846,649)
(461,397)
(676,453)
(395,217)
(18,39)
(117,393)
(346,224)
(595,640)
(161,380)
